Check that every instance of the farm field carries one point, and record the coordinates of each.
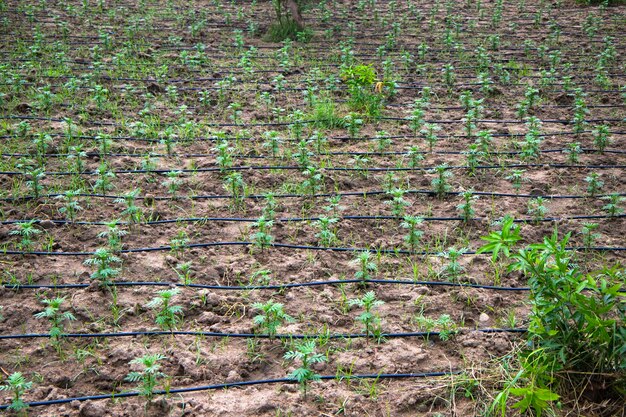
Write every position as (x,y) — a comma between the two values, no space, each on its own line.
(404,209)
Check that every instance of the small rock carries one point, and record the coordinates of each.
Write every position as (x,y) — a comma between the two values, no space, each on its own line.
(208,318)
(483,318)
(233,376)
(47,224)
(75,404)
(92,409)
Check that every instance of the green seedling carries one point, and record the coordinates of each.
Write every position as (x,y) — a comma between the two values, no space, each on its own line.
(17,385)
(304,352)
(168,316)
(149,375)
(271,317)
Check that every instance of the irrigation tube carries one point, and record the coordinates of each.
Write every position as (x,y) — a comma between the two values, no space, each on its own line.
(289,246)
(330,169)
(299,219)
(251,156)
(320,195)
(252,335)
(236,384)
(271,287)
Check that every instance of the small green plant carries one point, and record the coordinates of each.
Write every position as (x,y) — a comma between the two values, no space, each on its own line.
(168,316)
(398,203)
(305,352)
(149,376)
(452,269)
(104,260)
(414,235)
(601,137)
(132,212)
(516,177)
(444,325)
(612,207)
(262,238)
(537,209)
(369,319)
(27,231)
(71,206)
(53,314)
(501,241)
(113,234)
(440,183)
(466,208)
(183,270)
(326,235)
(366,267)
(588,235)
(272,315)
(594,184)
(17,385)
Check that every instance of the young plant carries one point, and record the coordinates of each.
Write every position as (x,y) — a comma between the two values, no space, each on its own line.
(452,269)
(589,237)
(304,351)
(113,234)
(466,208)
(444,325)
(104,260)
(150,374)
(441,183)
(414,235)
(132,211)
(17,385)
(369,319)
(327,236)
(271,317)
(397,203)
(516,177)
(183,270)
(26,231)
(501,241)
(366,267)
(536,209)
(53,314)
(263,238)
(71,206)
(612,207)
(601,137)
(594,184)
(168,316)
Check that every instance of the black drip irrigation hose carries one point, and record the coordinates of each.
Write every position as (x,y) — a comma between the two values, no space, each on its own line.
(234,385)
(426,335)
(273,287)
(256,156)
(289,246)
(300,219)
(330,169)
(321,195)
(340,138)
(304,122)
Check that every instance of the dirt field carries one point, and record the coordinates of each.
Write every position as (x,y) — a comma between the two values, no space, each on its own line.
(216,127)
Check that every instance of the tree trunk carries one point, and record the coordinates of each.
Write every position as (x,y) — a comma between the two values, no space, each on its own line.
(295,12)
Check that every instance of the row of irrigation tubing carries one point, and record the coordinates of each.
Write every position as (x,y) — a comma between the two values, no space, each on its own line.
(248,168)
(87,64)
(313,121)
(340,138)
(288,246)
(302,219)
(363,194)
(337,153)
(365,46)
(256,81)
(126,394)
(19,286)
(335,336)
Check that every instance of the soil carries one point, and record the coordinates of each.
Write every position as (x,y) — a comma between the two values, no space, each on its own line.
(152,49)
